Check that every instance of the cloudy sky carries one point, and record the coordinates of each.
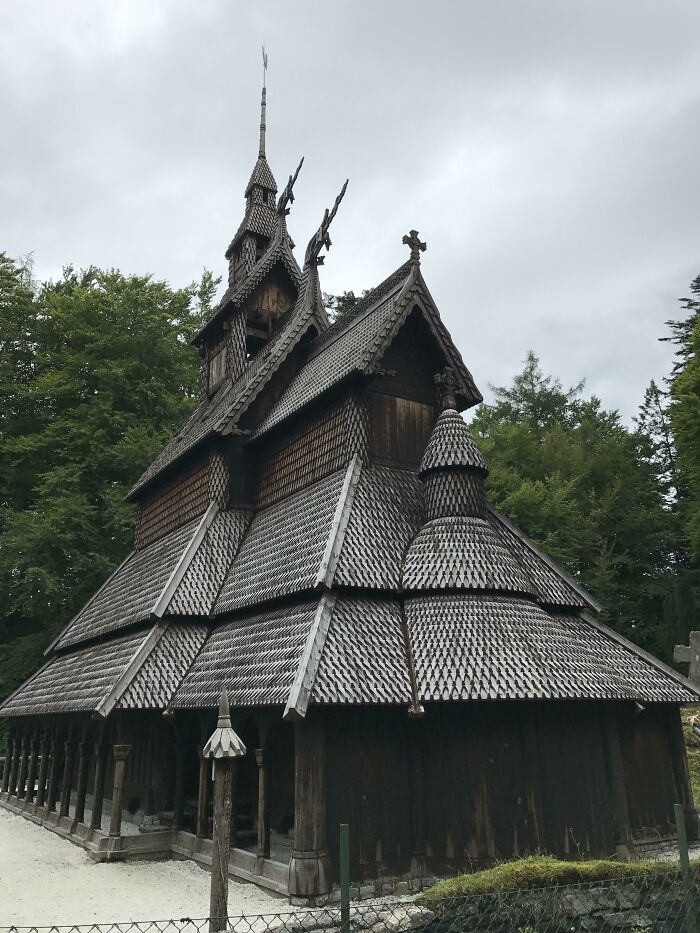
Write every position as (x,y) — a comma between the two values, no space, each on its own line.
(548,152)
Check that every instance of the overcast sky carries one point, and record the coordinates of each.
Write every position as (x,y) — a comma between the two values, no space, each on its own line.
(548,152)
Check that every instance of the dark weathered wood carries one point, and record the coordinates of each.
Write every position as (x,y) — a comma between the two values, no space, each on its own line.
(179,782)
(415,747)
(9,753)
(309,868)
(43,769)
(531,760)
(203,796)
(81,792)
(234,804)
(52,791)
(23,765)
(32,768)
(263,849)
(67,781)
(120,753)
(98,782)
(616,778)
(681,776)
(221,838)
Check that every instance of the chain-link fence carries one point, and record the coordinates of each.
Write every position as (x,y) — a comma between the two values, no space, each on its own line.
(663,902)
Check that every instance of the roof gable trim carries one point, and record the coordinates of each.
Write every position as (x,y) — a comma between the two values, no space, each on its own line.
(334,545)
(183,563)
(303,685)
(111,698)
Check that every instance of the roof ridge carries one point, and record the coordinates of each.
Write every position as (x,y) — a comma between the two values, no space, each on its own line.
(111,698)
(180,568)
(336,536)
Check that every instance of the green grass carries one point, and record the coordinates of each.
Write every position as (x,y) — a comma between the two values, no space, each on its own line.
(535,872)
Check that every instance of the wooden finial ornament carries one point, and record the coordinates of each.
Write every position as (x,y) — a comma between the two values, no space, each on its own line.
(223,742)
(287,196)
(321,237)
(416,245)
(446,388)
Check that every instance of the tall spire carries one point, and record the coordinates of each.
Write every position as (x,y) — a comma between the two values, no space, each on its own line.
(263,105)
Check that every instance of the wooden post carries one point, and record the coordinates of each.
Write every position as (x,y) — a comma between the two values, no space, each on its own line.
(309,868)
(179,790)
(31,772)
(22,771)
(83,765)
(43,769)
(221,837)
(417,784)
(10,750)
(263,850)
(119,753)
(52,792)
(98,782)
(223,747)
(616,776)
(202,797)
(68,767)
(681,777)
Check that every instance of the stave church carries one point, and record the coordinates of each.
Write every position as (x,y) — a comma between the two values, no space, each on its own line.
(316,539)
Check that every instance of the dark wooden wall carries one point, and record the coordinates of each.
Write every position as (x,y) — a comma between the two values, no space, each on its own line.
(500,780)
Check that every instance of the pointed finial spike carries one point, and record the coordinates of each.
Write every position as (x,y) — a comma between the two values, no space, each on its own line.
(416,245)
(287,196)
(263,105)
(321,237)
(224,711)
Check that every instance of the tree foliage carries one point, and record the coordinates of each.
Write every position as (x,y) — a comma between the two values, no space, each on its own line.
(95,373)
(588,490)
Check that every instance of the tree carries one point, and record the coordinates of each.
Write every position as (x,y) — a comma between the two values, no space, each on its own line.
(340,305)
(587,490)
(96,371)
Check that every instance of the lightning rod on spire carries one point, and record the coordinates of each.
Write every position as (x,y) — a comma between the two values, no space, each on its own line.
(263,104)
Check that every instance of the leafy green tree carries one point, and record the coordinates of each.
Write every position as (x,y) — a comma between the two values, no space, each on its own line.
(96,371)
(585,488)
(340,305)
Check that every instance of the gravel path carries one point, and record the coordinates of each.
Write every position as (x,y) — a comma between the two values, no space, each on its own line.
(47,880)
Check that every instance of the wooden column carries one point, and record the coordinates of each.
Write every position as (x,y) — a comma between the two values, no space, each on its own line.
(179,789)
(67,782)
(218,898)
(263,849)
(309,868)
(616,778)
(43,769)
(98,783)
(681,777)
(31,771)
(417,784)
(203,796)
(52,791)
(23,761)
(9,759)
(83,765)
(119,754)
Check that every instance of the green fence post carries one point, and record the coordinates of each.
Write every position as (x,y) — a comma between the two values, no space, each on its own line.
(344,878)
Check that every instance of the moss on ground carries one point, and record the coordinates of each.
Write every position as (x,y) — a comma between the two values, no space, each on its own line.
(539,871)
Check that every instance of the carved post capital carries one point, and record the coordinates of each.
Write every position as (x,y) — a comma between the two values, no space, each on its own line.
(121,752)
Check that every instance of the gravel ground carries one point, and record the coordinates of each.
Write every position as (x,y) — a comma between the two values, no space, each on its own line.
(47,880)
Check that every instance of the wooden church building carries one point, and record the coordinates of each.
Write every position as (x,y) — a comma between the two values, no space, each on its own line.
(316,539)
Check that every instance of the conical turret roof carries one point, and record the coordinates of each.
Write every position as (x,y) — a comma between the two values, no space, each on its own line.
(451,445)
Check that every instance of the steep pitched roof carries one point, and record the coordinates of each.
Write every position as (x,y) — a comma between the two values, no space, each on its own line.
(180,574)
(357,343)
(139,670)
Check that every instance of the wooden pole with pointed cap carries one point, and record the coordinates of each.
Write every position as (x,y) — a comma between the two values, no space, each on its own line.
(223,747)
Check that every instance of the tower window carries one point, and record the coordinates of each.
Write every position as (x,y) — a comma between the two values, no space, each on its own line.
(217,367)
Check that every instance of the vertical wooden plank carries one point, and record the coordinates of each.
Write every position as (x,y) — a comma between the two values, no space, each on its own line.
(52,792)
(263,848)
(83,766)
(67,781)
(98,783)
(218,899)
(31,770)
(43,768)
(309,868)
(616,778)
(202,796)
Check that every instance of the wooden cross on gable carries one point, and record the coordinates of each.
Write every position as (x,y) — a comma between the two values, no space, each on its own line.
(690,654)
(416,245)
